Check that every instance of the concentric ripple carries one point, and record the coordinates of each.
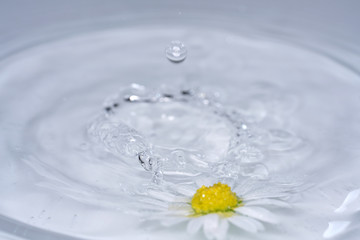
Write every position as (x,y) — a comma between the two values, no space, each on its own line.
(87,121)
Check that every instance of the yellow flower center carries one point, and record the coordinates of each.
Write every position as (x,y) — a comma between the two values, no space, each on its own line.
(215,199)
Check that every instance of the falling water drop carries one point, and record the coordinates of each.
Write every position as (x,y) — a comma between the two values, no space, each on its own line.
(176,51)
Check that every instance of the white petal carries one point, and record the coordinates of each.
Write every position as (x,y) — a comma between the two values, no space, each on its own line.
(154,203)
(248,185)
(246,223)
(167,222)
(272,202)
(186,190)
(258,213)
(214,227)
(205,181)
(335,228)
(163,196)
(211,225)
(194,225)
(222,230)
(351,202)
(252,190)
(179,209)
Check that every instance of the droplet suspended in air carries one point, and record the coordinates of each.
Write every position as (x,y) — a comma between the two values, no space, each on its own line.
(176,51)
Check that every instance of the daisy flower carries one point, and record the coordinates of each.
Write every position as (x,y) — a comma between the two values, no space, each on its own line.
(217,207)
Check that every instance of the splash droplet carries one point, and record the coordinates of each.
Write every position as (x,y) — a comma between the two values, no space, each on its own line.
(176,52)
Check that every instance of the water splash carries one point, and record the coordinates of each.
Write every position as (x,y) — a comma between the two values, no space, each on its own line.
(242,158)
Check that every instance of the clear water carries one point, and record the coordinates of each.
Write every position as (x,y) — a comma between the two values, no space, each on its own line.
(83,113)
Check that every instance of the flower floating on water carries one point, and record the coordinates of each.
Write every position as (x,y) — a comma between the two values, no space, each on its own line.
(218,207)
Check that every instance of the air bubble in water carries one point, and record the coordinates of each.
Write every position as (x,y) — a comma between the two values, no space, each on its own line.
(176,51)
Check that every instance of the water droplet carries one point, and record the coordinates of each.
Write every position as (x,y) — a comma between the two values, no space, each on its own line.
(132,98)
(176,51)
